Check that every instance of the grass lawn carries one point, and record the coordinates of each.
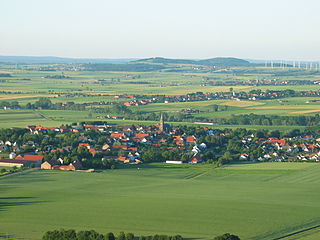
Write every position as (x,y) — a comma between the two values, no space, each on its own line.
(254,201)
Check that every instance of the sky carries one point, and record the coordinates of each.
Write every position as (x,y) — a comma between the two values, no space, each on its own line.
(197,29)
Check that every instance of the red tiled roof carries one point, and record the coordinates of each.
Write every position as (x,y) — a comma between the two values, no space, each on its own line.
(30,157)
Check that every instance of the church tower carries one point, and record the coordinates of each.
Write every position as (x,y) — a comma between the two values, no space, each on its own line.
(161,126)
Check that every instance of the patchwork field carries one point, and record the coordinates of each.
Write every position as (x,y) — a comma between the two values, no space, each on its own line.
(28,83)
(254,201)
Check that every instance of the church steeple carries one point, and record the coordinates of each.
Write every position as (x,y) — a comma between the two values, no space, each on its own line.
(161,126)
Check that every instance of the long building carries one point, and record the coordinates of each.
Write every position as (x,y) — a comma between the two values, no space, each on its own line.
(12,162)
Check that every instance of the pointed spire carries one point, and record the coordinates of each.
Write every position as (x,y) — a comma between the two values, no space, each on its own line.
(161,126)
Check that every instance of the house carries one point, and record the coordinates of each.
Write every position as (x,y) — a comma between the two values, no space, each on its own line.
(48,165)
(75,165)
(117,135)
(191,139)
(244,156)
(123,159)
(87,145)
(12,155)
(195,158)
(178,140)
(106,147)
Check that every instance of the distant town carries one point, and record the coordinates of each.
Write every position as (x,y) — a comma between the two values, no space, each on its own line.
(86,147)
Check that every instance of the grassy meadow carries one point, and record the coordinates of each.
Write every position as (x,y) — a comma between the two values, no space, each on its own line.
(254,201)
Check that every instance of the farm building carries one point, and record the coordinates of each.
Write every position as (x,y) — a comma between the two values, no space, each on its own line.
(12,162)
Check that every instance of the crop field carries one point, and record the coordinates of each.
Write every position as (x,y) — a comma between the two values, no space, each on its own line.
(285,107)
(31,82)
(27,84)
(254,201)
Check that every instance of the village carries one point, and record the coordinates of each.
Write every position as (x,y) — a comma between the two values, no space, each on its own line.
(102,146)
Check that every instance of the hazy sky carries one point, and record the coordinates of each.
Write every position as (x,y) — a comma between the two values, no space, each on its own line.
(268,29)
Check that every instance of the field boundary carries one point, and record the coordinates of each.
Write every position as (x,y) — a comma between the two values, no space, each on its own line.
(297,232)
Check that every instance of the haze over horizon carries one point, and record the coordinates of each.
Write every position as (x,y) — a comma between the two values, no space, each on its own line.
(245,29)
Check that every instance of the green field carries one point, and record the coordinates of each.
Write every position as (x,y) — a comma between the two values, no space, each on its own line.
(254,201)
(55,118)
(27,84)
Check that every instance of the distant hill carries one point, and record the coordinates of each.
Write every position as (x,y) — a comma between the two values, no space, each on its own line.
(58,60)
(219,61)
(227,62)
(167,60)
(124,67)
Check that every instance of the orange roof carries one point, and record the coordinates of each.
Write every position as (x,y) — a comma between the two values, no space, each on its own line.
(124,147)
(133,149)
(123,159)
(190,139)
(141,135)
(84,144)
(117,135)
(30,157)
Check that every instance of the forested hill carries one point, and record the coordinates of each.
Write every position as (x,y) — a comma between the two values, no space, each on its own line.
(219,61)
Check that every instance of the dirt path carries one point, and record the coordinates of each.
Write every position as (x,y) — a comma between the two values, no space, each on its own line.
(41,115)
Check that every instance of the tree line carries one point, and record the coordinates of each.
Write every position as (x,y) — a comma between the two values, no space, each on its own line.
(71,234)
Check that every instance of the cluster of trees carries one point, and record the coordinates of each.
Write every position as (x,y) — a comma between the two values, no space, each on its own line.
(71,234)
(83,155)
(45,103)
(245,119)
(268,120)
(61,76)
(154,154)
(12,170)
(114,109)
(13,104)
(170,117)
(93,235)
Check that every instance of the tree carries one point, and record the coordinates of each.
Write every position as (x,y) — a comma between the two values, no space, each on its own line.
(110,236)
(121,236)
(227,236)
(129,236)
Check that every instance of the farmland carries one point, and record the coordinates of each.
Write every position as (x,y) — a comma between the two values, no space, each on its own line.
(28,83)
(254,201)
(86,88)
